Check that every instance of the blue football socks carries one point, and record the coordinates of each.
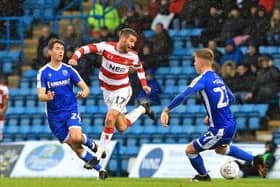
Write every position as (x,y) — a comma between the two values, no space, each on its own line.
(88,142)
(239,153)
(87,156)
(197,163)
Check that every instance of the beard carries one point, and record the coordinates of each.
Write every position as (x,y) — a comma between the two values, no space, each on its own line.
(124,49)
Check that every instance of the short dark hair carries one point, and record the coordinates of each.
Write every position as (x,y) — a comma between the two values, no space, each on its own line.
(54,41)
(127,31)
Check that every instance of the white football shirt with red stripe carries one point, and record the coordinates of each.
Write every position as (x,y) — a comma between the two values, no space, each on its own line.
(4,94)
(114,68)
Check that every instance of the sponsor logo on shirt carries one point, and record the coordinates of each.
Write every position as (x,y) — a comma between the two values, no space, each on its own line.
(58,83)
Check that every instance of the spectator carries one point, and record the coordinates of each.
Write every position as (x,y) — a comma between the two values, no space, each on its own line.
(106,35)
(251,56)
(71,38)
(243,79)
(175,7)
(233,26)
(153,8)
(162,44)
(248,170)
(194,13)
(147,58)
(266,85)
(262,26)
(153,97)
(232,52)
(212,44)
(268,5)
(163,8)
(42,48)
(132,20)
(99,19)
(228,74)
(273,34)
(212,28)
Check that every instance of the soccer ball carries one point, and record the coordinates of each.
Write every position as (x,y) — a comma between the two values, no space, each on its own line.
(229,170)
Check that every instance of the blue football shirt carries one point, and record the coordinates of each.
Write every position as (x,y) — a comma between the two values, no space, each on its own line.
(61,80)
(216,97)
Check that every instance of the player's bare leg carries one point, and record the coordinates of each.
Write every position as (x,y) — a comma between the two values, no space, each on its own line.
(105,138)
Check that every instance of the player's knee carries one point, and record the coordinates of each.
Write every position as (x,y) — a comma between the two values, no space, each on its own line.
(190,149)
(121,128)
(111,117)
(221,150)
(77,139)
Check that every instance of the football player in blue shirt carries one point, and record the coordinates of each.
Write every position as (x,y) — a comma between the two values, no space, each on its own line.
(55,83)
(216,97)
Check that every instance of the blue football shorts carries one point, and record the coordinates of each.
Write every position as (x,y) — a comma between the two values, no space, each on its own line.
(60,124)
(214,138)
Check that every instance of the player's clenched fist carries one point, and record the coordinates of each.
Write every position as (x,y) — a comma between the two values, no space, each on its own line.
(73,62)
(164,117)
(147,89)
(50,95)
(82,94)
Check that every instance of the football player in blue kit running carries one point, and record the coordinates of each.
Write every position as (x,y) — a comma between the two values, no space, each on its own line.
(55,82)
(216,97)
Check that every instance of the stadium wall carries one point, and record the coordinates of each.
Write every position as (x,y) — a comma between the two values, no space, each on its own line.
(170,161)
(45,159)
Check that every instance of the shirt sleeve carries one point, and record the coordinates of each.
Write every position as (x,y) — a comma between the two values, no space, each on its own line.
(86,49)
(196,85)
(41,80)
(140,73)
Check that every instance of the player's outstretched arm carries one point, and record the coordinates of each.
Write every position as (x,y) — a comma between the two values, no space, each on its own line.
(86,49)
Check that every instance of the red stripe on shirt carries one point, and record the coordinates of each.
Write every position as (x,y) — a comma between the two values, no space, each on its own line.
(111,87)
(113,75)
(117,59)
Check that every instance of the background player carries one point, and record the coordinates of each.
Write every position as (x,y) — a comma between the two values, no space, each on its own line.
(269,159)
(4,97)
(117,58)
(55,83)
(216,97)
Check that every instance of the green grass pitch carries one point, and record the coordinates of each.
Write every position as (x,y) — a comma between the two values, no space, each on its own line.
(131,182)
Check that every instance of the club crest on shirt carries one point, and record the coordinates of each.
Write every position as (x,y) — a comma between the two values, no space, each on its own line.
(65,72)
(50,75)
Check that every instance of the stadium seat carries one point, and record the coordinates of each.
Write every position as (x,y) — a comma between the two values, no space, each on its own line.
(150,129)
(254,123)
(170,140)
(24,128)
(175,129)
(187,121)
(131,142)
(157,140)
(199,120)
(241,123)
(162,130)
(200,128)
(136,129)
(144,140)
